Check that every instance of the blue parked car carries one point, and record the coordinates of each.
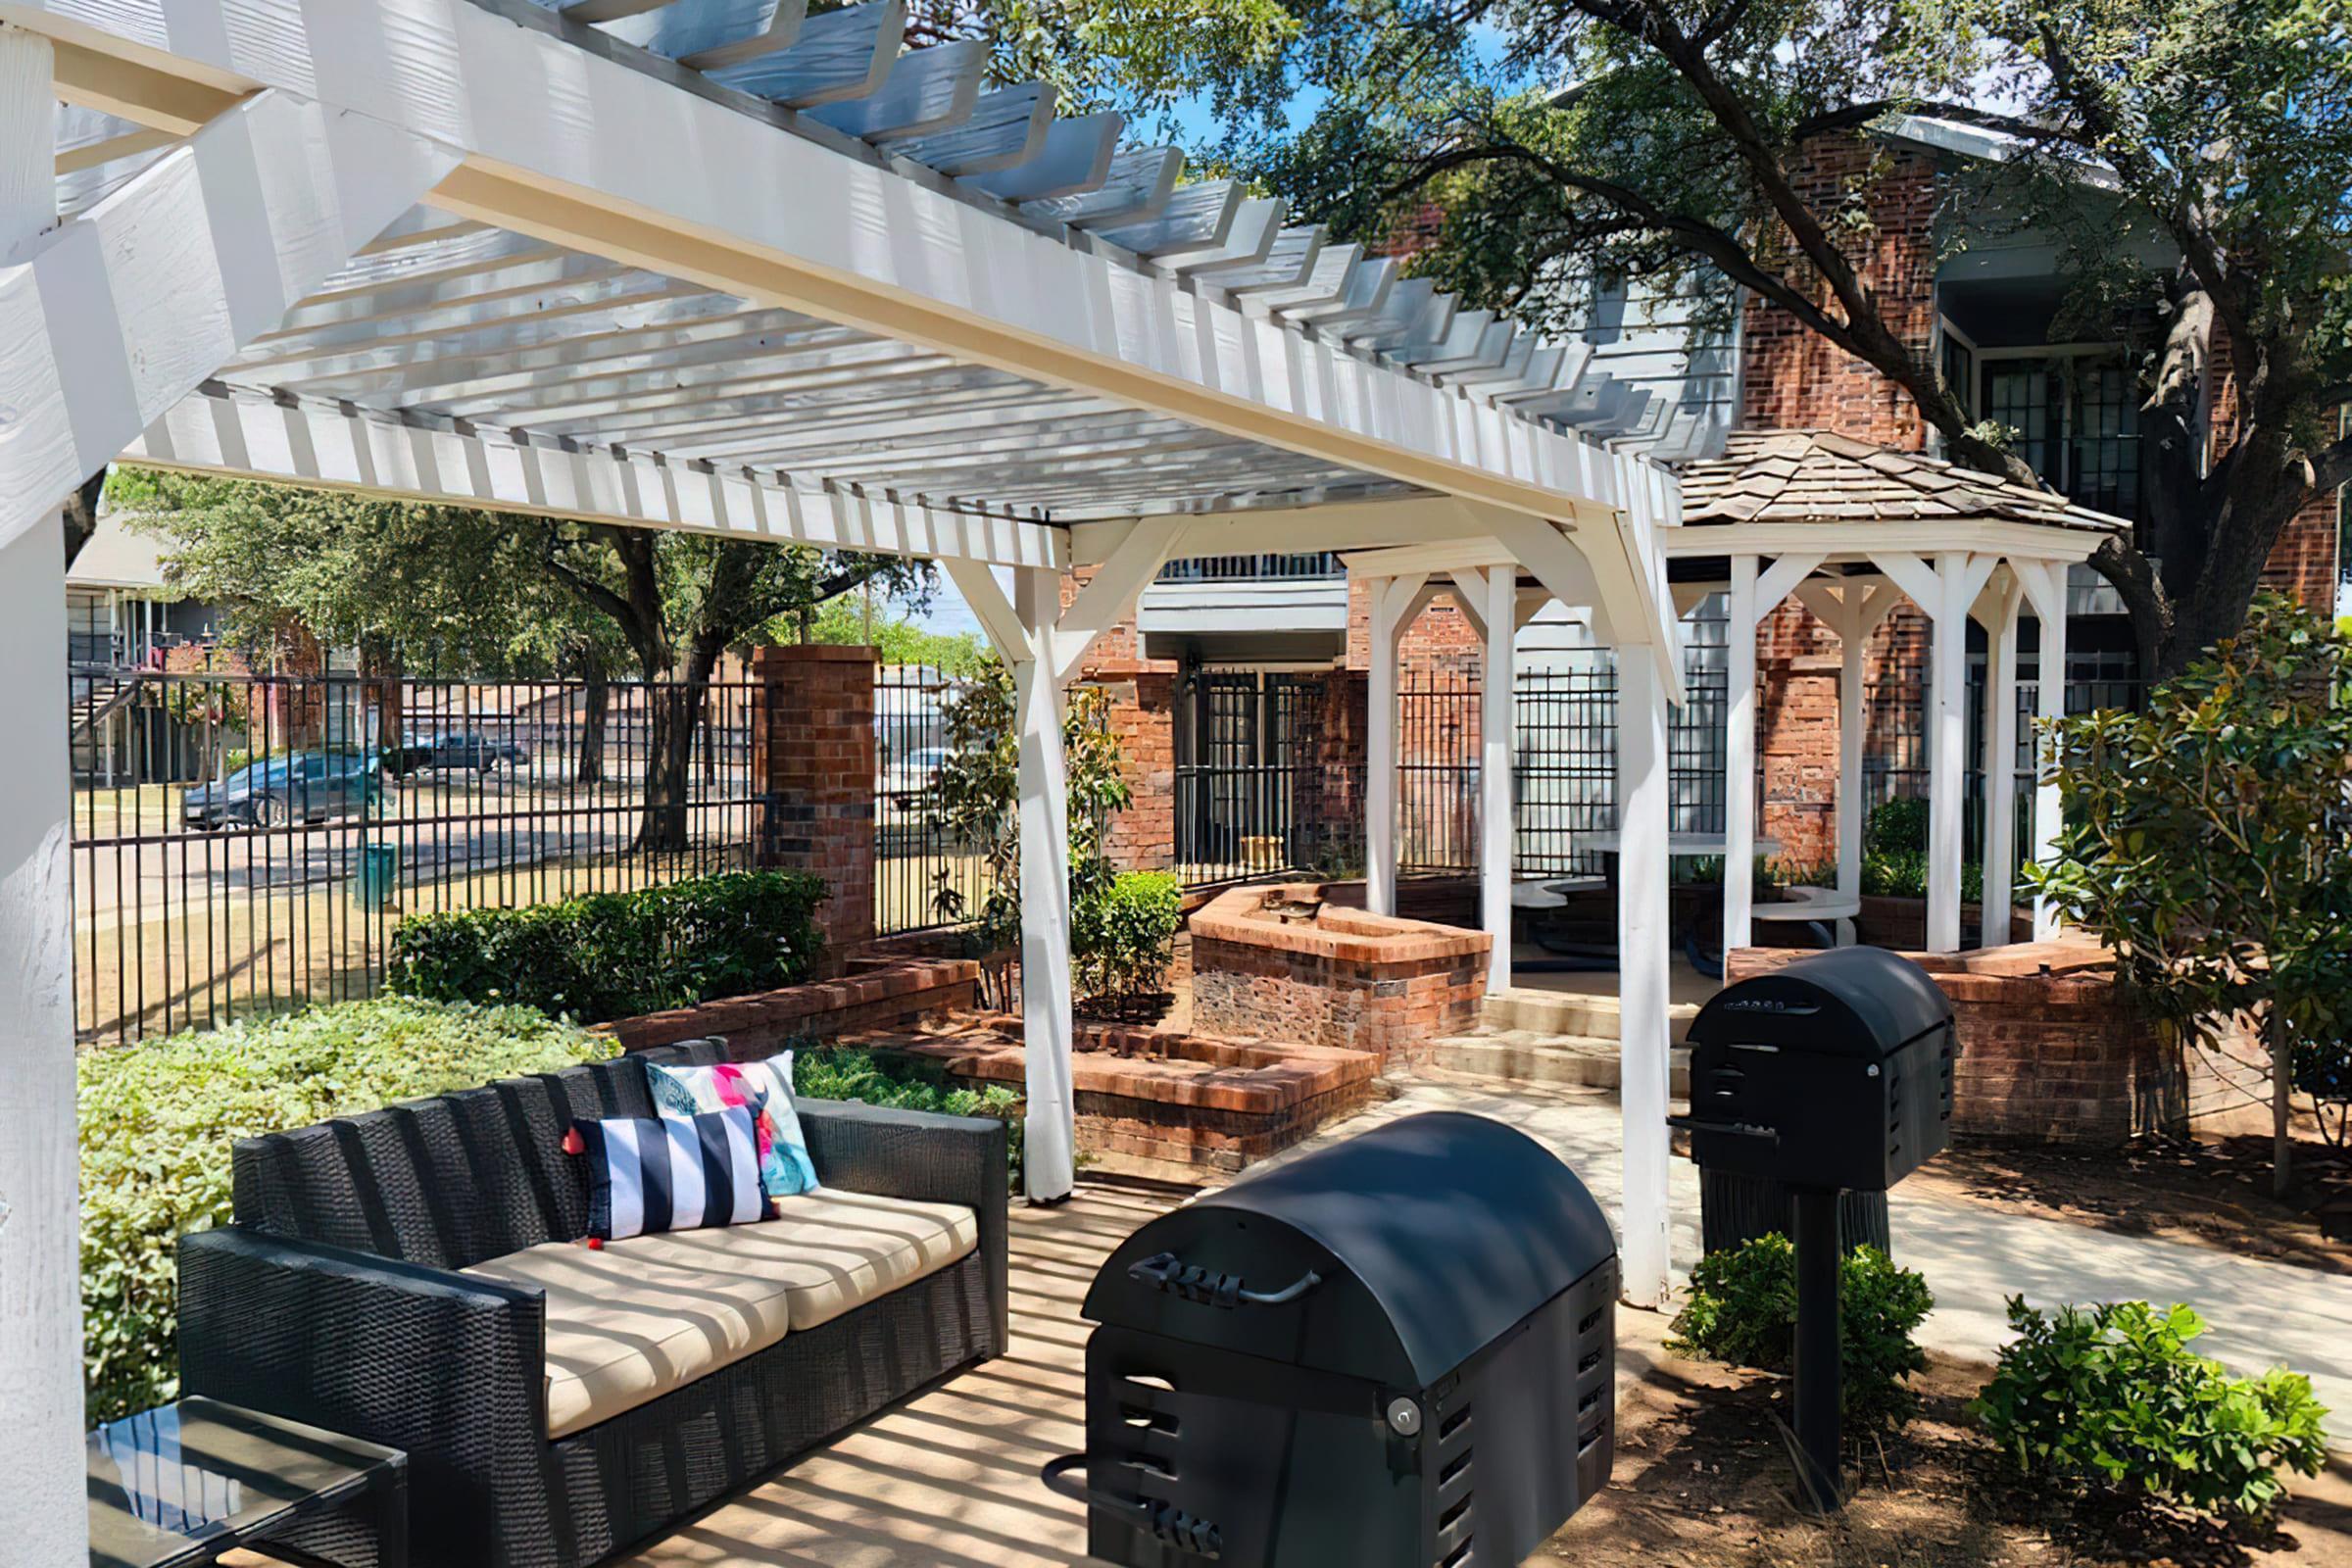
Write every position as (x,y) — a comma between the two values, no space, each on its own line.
(298,787)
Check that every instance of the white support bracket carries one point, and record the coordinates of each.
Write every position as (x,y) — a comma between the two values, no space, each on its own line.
(110,320)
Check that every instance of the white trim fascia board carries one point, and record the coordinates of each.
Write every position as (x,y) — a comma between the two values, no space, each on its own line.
(107,321)
(1839,543)
(566,144)
(310,444)
(1334,525)
(1466,554)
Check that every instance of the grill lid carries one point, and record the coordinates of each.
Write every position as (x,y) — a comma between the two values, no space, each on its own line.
(1846,1001)
(1431,1236)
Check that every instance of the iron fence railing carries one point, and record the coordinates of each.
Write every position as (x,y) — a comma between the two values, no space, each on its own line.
(1252,569)
(916,854)
(246,844)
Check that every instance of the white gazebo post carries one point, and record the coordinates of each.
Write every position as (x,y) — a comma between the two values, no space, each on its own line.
(1394,603)
(1498,618)
(1740,758)
(1753,598)
(2044,584)
(43,1513)
(2000,758)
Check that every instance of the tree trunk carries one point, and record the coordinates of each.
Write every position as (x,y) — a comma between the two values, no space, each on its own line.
(595,710)
(2282,1092)
(673,710)
(383,675)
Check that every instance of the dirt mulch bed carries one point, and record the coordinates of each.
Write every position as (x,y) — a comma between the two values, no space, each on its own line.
(2213,1191)
(1702,1481)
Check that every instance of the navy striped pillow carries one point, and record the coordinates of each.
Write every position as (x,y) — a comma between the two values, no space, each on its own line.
(672,1173)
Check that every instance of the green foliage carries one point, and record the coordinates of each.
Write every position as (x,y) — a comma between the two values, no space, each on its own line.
(1742,1310)
(1898,826)
(1122,935)
(2111,1397)
(822,1073)
(975,799)
(843,623)
(617,955)
(2206,836)
(157,1120)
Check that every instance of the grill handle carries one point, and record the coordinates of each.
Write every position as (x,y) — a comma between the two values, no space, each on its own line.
(1736,1129)
(1165,1271)
(1164,1520)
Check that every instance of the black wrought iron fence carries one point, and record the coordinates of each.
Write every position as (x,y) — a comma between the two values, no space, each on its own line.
(1898,740)
(246,844)
(916,855)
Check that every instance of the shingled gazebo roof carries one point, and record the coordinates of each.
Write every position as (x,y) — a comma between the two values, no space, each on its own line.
(1819,477)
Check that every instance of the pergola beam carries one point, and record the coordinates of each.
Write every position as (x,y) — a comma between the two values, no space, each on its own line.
(323,444)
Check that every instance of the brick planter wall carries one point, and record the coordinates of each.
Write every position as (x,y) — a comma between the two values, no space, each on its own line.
(899,994)
(2048,1050)
(1351,980)
(1170,1105)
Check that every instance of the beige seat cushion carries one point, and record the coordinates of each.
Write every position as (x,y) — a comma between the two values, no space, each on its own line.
(636,1319)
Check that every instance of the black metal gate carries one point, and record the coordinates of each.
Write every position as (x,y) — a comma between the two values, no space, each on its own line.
(1237,770)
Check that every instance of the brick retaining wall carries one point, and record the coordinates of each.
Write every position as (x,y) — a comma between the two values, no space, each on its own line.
(899,994)
(2048,1050)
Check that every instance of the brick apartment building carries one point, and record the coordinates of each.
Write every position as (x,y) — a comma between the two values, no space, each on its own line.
(1239,685)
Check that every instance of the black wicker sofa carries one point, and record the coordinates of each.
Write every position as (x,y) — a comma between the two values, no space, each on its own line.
(391,1276)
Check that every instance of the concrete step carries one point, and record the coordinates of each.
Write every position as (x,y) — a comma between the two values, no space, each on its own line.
(1561,1012)
(1530,1056)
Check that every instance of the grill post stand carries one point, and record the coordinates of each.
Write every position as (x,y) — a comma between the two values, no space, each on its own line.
(1820,1365)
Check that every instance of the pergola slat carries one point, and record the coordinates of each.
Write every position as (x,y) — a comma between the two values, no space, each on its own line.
(927,90)
(708,33)
(1007,129)
(1076,156)
(841,54)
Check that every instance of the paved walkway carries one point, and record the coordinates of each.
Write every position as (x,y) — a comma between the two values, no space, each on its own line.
(2259,1312)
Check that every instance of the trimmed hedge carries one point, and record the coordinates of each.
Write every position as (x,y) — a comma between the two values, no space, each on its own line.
(822,1073)
(157,1119)
(619,954)
(1124,934)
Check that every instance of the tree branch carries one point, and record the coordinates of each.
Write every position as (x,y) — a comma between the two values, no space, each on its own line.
(2331,467)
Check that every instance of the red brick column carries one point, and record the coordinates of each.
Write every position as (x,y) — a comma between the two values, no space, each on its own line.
(812,773)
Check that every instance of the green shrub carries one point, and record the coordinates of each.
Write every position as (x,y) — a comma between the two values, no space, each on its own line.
(1903,875)
(2112,1397)
(822,1073)
(617,955)
(1742,1310)
(1122,936)
(157,1119)
(1898,826)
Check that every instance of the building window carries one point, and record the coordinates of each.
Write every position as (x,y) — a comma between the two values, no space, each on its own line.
(2076,421)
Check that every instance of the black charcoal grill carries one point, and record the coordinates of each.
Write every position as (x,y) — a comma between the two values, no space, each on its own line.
(1395,1353)
(1831,1075)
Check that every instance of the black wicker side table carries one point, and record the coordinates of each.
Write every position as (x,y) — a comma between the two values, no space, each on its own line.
(190,1482)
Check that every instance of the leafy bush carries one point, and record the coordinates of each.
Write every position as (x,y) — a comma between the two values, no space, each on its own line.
(1898,826)
(1903,875)
(2112,1397)
(619,954)
(1122,935)
(157,1119)
(1742,1310)
(820,1073)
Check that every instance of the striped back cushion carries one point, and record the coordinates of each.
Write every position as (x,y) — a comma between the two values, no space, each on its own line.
(672,1173)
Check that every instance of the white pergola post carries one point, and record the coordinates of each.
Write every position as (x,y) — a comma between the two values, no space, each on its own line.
(1740,758)
(43,1514)
(1853,731)
(1500,615)
(1643,977)
(2044,584)
(1047,1159)
(1395,602)
(2000,761)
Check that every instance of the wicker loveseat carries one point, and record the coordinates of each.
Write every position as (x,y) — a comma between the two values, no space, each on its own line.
(405,1275)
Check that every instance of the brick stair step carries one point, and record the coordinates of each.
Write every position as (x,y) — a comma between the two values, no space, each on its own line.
(1557,1013)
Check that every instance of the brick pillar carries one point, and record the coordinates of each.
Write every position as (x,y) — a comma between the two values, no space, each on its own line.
(812,773)
(1143,714)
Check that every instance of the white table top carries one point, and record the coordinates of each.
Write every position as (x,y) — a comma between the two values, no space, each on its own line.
(1677,844)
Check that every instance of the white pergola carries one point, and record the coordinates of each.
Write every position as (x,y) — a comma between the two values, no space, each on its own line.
(715,265)
(1852,530)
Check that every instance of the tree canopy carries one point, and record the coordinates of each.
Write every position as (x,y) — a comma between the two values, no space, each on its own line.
(1660,141)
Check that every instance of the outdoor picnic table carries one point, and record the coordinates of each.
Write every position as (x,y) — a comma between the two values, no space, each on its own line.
(190,1482)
